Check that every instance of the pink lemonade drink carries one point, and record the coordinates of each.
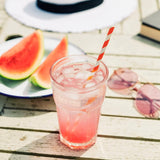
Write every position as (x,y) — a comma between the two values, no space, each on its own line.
(78,99)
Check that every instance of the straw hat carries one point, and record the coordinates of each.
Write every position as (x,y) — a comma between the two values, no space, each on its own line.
(105,14)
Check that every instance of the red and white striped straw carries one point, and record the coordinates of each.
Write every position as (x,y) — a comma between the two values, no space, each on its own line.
(105,44)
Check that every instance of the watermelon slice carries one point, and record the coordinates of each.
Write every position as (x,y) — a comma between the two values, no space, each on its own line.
(22,60)
(41,77)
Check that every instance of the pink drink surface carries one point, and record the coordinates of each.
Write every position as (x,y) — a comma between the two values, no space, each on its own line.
(76,75)
(78,114)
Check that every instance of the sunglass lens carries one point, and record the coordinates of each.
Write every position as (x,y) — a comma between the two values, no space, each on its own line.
(122,80)
(148,101)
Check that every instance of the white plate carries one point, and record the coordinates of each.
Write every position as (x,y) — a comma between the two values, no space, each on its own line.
(23,88)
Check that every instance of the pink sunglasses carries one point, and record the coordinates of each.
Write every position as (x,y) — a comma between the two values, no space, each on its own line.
(147,101)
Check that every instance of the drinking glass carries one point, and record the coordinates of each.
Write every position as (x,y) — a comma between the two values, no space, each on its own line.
(78,99)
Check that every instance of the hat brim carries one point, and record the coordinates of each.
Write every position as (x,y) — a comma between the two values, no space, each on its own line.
(109,13)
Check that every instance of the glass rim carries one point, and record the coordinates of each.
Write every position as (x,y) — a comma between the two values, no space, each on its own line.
(83,90)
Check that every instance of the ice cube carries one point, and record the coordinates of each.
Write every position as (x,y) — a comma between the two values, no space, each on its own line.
(73,96)
(57,73)
(83,75)
(68,71)
(69,75)
(77,68)
(100,73)
(99,78)
(90,84)
(60,78)
(86,66)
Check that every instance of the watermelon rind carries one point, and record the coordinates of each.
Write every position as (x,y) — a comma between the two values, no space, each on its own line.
(25,74)
(35,78)
(38,83)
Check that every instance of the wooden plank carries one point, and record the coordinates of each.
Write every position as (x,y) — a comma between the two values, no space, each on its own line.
(115,126)
(3,100)
(117,30)
(158,3)
(7,30)
(105,148)
(119,107)
(131,25)
(109,106)
(112,94)
(2,18)
(45,104)
(30,120)
(1,4)
(151,76)
(22,30)
(111,97)
(16,104)
(119,44)
(148,7)
(132,62)
(13,156)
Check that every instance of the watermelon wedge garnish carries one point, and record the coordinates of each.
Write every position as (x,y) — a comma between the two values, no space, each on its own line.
(22,60)
(41,77)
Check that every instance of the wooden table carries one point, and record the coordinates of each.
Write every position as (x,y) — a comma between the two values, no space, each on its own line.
(29,128)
